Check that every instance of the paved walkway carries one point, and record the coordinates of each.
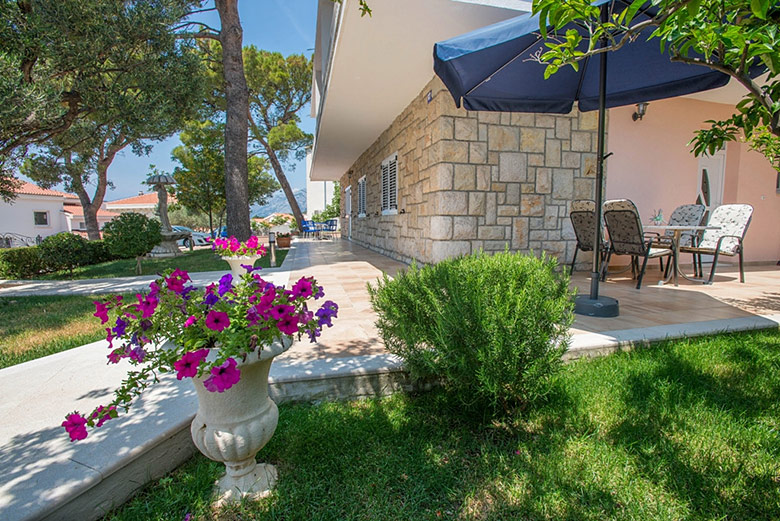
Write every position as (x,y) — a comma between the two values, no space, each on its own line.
(43,476)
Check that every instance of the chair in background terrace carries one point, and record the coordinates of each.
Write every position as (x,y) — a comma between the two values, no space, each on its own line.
(626,237)
(583,220)
(733,221)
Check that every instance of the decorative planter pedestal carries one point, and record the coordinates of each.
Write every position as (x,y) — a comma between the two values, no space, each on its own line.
(232,426)
(236,262)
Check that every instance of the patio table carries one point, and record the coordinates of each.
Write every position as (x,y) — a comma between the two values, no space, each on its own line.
(678,231)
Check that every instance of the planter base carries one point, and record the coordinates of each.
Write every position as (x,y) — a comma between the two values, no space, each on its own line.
(255,484)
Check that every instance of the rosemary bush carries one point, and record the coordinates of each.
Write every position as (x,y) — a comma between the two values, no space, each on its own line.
(491,328)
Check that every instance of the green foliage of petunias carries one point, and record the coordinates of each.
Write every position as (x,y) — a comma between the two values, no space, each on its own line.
(131,235)
(491,328)
(64,251)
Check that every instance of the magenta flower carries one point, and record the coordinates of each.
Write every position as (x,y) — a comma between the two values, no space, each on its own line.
(103,414)
(116,355)
(251,242)
(234,245)
(281,311)
(217,320)
(223,377)
(190,321)
(146,305)
(302,288)
(187,366)
(101,312)
(76,426)
(288,324)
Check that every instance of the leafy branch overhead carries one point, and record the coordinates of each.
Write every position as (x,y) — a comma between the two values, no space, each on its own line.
(740,38)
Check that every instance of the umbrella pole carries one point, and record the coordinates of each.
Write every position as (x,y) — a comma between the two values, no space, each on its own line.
(593,305)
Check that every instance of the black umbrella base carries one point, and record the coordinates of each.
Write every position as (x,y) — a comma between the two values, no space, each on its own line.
(604,307)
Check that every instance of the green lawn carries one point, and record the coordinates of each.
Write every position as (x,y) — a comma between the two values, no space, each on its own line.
(33,327)
(679,430)
(198,260)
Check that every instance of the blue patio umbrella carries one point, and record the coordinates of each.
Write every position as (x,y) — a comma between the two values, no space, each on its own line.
(494,68)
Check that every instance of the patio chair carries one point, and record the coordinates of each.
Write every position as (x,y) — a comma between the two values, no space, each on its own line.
(308,228)
(733,220)
(583,220)
(331,226)
(627,238)
(683,215)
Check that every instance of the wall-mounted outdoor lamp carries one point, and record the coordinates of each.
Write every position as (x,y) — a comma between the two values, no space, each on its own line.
(641,110)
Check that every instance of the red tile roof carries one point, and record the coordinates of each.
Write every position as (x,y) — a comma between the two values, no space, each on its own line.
(150,198)
(77,211)
(31,189)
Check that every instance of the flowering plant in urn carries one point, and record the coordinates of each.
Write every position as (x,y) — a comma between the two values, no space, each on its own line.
(232,247)
(206,334)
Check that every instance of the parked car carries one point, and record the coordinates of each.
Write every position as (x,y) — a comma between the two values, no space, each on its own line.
(220,232)
(198,238)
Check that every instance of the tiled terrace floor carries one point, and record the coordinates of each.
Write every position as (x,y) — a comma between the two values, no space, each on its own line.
(344,268)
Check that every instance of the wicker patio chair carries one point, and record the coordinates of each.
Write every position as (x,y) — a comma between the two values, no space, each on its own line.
(583,220)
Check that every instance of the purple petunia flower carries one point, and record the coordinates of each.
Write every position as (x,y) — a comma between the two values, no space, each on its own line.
(187,366)
(120,327)
(328,311)
(223,377)
(319,293)
(314,333)
(225,284)
(137,354)
(210,299)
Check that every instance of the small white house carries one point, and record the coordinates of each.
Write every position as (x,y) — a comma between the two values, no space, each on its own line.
(35,212)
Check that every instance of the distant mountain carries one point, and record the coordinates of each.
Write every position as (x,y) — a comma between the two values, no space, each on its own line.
(277,203)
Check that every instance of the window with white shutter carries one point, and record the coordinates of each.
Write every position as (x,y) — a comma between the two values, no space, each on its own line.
(390,185)
(362,197)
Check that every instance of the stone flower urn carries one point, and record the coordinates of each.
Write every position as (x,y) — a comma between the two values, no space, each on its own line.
(235,264)
(232,426)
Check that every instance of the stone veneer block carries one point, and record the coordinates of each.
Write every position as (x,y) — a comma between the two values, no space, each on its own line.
(589,120)
(464,227)
(522,119)
(520,233)
(451,151)
(570,159)
(503,138)
(563,184)
(478,153)
(441,227)
(562,128)
(476,203)
(508,210)
(552,153)
(543,180)
(584,189)
(466,129)
(483,177)
(580,141)
(441,176)
(512,167)
(532,139)
(441,250)
(464,177)
(452,203)
(532,205)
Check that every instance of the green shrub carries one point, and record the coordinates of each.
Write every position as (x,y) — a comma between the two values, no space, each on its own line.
(131,235)
(63,251)
(491,328)
(97,252)
(21,263)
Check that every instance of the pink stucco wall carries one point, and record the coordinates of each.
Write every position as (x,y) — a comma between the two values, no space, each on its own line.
(653,166)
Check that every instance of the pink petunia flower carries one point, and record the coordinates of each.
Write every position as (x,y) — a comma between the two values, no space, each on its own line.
(191,320)
(76,426)
(281,311)
(288,324)
(251,242)
(217,320)
(223,377)
(146,305)
(101,312)
(103,414)
(187,366)
(302,288)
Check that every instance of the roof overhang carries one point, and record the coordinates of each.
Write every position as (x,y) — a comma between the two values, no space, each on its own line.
(368,69)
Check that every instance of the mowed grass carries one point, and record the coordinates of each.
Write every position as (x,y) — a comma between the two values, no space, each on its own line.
(198,260)
(679,430)
(33,327)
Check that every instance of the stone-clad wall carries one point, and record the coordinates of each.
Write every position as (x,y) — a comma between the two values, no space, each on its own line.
(475,180)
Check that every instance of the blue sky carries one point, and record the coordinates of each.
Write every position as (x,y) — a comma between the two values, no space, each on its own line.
(286,26)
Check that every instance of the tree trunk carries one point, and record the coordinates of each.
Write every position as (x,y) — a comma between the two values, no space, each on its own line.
(91,221)
(277,166)
(236,128)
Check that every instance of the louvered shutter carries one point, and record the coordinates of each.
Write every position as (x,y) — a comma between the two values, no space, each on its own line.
(392,183)
(385,185)
(362,196)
